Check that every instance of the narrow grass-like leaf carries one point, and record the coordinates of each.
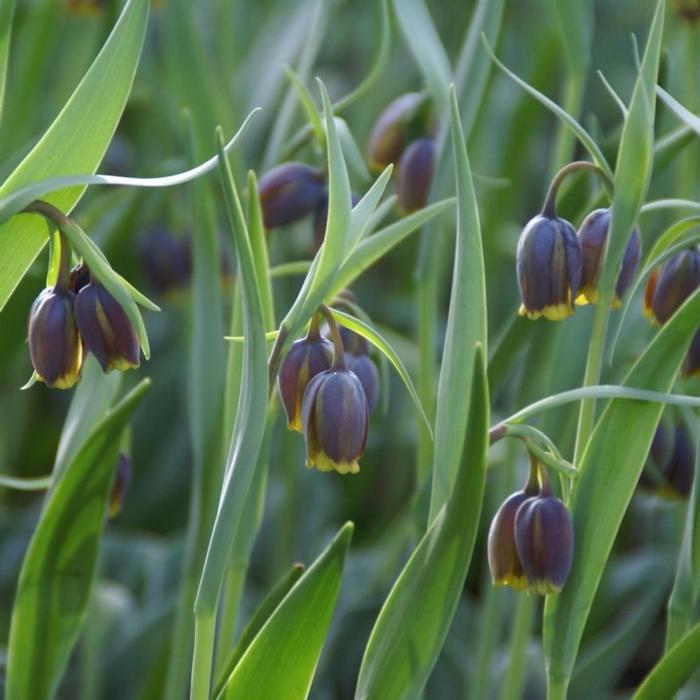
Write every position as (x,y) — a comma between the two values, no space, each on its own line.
(684,114)
(367,331)
(23,483)
(245,442)
(413,623)
(259,618)
(583,136)
(422,40)
(7,11)
(659,204)
(294,633)
(307,103)
(353,154)
(75,142)
(611,91)
(15,201)
(608,475)
(674,669)
(361,215)
(58,569)
(466,324)
(378,244)
(258,245)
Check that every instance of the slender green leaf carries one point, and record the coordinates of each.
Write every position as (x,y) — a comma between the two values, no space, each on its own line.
(466,325)
(362,212)
(583,136)
(58,569)
(367,331)
(378,244)
(353,154)
(22,483)
(416,616)
(75,142)
(608,475)
(7,11)
(259,618)
(674,669)
(422,40)
(307,103)
(294,634)
(684,114)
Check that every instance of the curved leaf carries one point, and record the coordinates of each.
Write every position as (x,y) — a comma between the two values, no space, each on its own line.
(608,475)
(416,616)
(57,572)
(75,142)
(381,343)
(294,634)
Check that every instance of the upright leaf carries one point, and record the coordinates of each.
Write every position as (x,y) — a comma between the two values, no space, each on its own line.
(413,623)
(294,634)
(74,143)
(7,11)
(58,570)
(466,325)
(608,476)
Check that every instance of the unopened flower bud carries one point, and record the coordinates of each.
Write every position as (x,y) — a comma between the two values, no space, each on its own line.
(544,540)
(548,268)
(122,480)
(680,468)
(592,236)
(289,192)
(167,260)
(389,134)
(691,364)
(54,344)
(365,369)
(306,358)
(677,280)
(335,417)
(649,290)
(415,173)
(106,329)
(689,10)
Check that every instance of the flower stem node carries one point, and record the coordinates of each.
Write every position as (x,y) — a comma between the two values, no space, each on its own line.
(335,418)
(289,192)
(592,237)
(54,344)
(106,329)
(306,358)
(548,268)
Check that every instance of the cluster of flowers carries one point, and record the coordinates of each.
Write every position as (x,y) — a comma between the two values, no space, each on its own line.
(74,316)
(328,389)
(558,267)
(402,134)
(531,539)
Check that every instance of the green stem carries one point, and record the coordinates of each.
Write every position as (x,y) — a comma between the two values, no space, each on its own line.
(232,594)
(517,654)
(549,207)
(557,688)
(338,352)
(204,626)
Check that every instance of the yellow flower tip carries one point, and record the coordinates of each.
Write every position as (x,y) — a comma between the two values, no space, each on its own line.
(515,581)
(543,587)
(324,463)
(67,381)
(122,364)
(522,311)
(295,423)
(557,312)
(582,299)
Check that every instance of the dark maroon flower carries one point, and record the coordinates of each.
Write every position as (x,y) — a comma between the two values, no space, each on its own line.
(415,173)
(289,192)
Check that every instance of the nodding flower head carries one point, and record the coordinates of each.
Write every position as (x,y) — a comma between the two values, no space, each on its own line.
(167,260)
(289,192)
(592,237)
(106,329)
(548,268)
(677,280)
(390,133)
(544,538)
(54,344)
(306,358)
(335,417)
(504,563)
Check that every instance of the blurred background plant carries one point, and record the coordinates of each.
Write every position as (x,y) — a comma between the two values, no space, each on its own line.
(210,63)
